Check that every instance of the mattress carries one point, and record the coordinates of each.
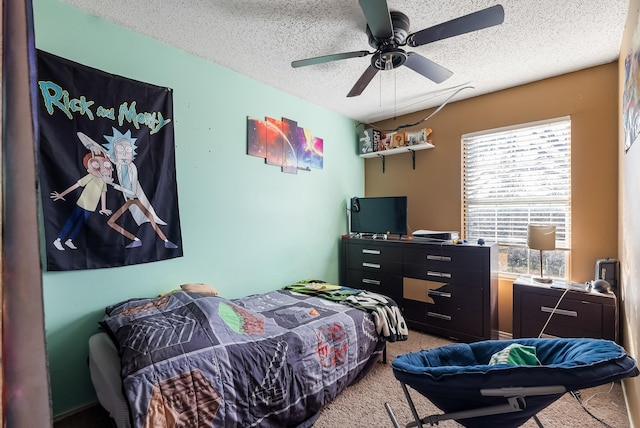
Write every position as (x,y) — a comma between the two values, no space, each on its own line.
(104,367)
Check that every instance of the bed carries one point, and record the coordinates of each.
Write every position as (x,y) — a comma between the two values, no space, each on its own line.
(268,360)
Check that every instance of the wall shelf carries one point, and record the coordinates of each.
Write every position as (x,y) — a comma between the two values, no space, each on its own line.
(404,149)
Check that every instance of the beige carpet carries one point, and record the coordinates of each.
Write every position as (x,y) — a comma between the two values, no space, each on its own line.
(362,404)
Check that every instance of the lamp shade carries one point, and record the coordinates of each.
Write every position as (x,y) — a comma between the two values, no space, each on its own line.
(541,237)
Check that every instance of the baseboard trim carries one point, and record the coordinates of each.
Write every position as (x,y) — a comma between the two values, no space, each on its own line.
(503,335)
(75,410)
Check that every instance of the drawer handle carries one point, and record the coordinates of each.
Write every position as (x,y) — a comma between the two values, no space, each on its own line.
(370,281)
(439,258)
(371,265)
(440,316)
(558,311)
(439,274)
(438,293)
(365,251)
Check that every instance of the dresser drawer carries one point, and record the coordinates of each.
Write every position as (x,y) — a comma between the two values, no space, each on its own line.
(446,297)
(444,258)
(570,314)
(377,282)
(455,276)
(469,322)
(375,251)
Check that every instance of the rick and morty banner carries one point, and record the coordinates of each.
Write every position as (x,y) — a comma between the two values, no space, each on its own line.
(106,168)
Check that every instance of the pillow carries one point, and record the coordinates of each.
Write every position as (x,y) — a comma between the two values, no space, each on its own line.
(199,287)
(516,354)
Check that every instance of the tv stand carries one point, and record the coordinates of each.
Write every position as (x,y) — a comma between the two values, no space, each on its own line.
(441,288)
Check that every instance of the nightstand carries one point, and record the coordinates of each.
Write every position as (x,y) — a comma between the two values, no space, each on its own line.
(579,314)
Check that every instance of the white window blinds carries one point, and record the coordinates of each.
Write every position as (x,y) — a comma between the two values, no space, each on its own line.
(515,176)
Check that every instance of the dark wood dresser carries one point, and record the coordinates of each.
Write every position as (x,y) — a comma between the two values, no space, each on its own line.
(579,313)
(442,288)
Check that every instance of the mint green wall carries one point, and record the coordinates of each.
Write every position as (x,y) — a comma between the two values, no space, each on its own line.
(246,226)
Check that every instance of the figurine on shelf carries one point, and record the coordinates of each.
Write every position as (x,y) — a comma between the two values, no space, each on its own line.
(368,140)
(385,141)
(398,139)
(417,137)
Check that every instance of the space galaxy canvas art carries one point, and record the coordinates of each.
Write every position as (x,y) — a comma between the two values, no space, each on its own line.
(283,143)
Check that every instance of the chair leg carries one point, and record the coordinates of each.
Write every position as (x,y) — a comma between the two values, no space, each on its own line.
(535,418)
(394,421)
(418,422)
(514,404)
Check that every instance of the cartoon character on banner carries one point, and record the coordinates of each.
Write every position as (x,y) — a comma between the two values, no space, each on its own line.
(121,149)
(94,192)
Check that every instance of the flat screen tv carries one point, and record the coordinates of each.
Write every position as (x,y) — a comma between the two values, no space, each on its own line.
(387,214)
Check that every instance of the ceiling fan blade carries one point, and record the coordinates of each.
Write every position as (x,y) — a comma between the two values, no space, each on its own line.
(484,18)
(427,68)
(363,81)
(378,18)
(328,58)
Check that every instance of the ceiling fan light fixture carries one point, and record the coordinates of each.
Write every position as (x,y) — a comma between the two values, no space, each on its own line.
(388,59)
(388,62)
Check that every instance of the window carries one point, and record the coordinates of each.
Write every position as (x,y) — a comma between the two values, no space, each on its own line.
(515,176)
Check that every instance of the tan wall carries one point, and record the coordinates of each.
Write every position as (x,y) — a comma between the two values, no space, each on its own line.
(629,233)
(434,188)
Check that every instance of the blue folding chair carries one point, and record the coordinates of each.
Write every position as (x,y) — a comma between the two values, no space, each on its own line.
(459,381)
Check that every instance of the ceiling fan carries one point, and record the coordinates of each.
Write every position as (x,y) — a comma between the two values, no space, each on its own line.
(389,30)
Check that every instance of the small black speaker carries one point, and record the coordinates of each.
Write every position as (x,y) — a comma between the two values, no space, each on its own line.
(607,269)
(355,205)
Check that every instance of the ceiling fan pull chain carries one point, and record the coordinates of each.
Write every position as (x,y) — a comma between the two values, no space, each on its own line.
(395,94)
(380,92)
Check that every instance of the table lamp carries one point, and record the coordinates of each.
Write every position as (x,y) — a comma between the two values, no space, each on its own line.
(541,237)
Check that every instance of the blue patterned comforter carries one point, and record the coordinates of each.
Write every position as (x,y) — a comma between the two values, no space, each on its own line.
(267,360)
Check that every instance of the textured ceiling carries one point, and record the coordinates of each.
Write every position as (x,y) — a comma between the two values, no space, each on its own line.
(260,38)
